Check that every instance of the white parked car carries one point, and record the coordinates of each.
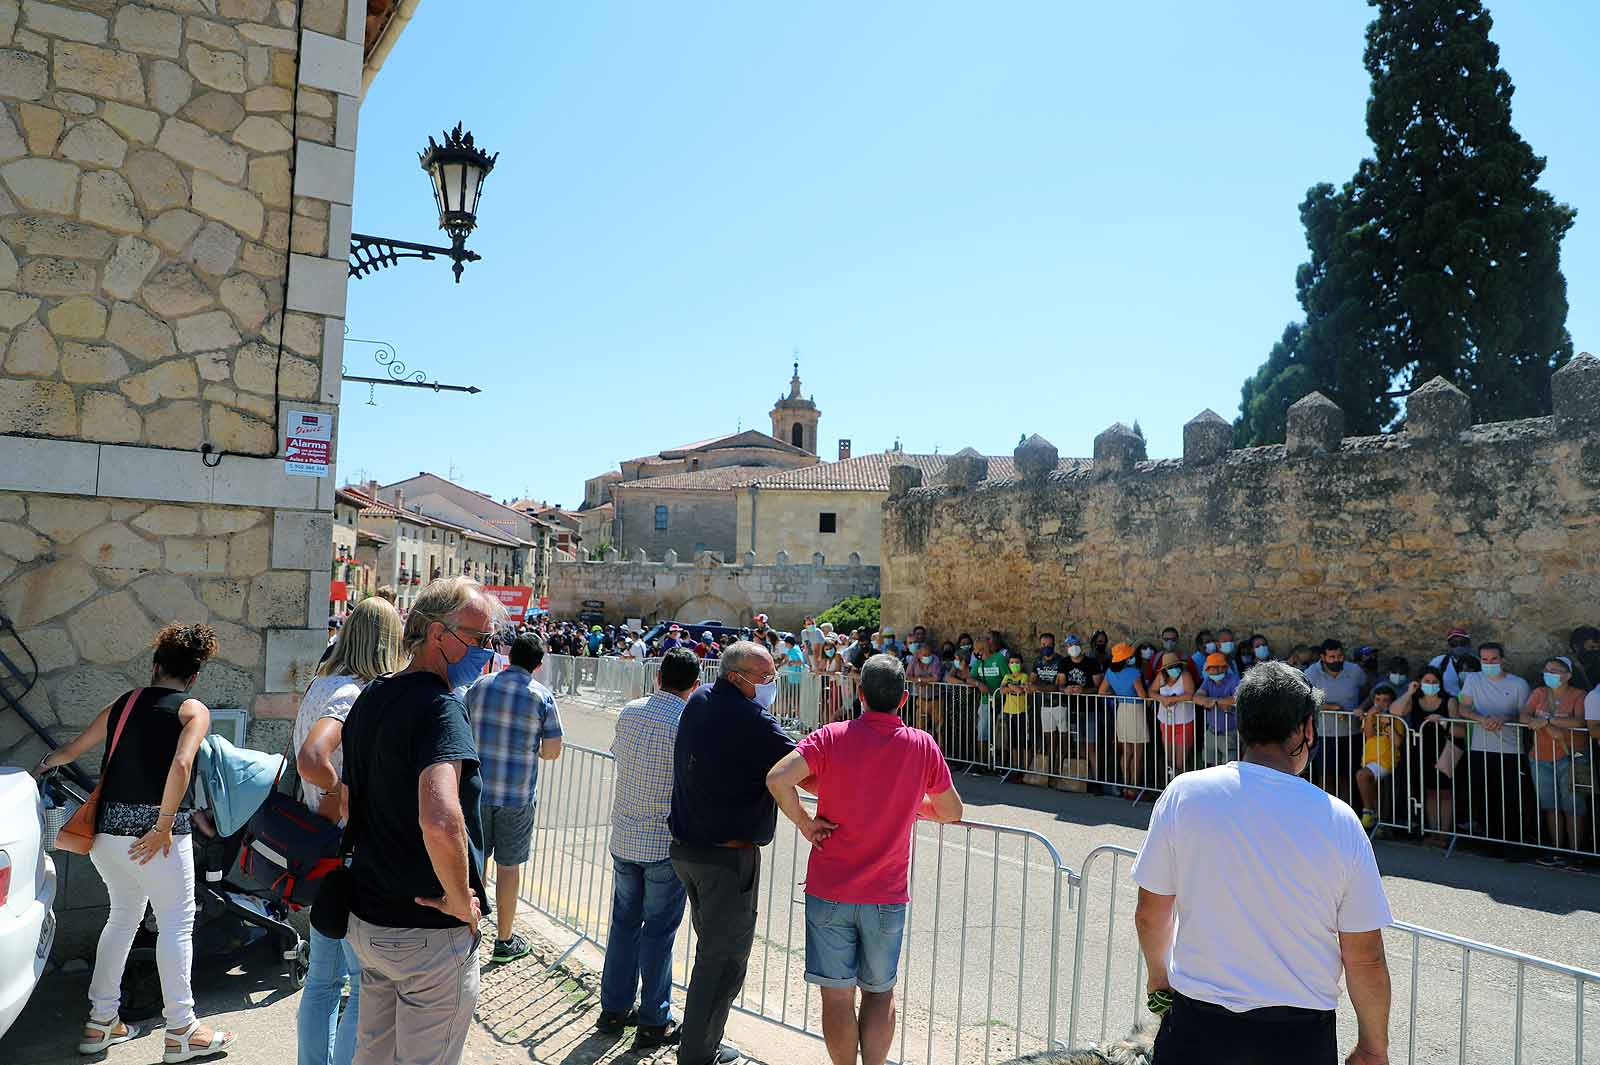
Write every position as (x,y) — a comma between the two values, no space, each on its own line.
(27,893)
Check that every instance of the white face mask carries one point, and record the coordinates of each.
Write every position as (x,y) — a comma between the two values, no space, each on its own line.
(766,694)
(1076,651)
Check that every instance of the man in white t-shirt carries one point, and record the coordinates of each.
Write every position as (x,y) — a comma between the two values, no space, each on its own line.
(1492,699)
(635,649)
(1257,890)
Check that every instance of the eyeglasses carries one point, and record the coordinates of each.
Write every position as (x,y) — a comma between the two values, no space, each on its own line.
(479,639)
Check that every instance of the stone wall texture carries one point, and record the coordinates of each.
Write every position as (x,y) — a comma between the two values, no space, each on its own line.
(705,590)
(148,215)
(88,582)
(708,520)
(1390,539)
(787,520)
(175,187)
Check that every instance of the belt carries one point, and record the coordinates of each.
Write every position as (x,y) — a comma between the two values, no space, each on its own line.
(737,844)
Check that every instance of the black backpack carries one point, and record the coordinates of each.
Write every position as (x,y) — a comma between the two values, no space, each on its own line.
(287,848)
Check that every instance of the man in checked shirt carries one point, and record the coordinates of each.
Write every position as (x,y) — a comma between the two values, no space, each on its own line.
(647,899)
(516,724)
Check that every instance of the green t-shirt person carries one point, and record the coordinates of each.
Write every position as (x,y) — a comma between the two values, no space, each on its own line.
(992,671)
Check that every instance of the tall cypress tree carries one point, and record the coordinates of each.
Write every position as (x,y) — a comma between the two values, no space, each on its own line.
(1440,256)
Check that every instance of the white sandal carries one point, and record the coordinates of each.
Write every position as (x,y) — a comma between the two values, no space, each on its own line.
(186,1051)
(108,1035)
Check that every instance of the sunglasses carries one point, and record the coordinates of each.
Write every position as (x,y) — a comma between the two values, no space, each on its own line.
(477,639)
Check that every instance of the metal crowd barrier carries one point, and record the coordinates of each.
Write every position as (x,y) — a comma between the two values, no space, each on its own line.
(1454,999)
(1449,779)
(1008,951)
(972,986)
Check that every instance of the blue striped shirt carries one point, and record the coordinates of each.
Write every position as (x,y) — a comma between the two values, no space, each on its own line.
(647,729)
(512,714)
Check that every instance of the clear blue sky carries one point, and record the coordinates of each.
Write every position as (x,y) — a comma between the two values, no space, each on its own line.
(972,220)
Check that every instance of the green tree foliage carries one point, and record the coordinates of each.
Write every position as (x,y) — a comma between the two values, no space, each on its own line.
(856,611)
(1440,257)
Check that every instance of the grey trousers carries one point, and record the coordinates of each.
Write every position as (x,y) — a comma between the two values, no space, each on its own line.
(419,987)
(722,884)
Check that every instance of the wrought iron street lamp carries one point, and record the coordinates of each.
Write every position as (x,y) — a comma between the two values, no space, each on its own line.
(456,170)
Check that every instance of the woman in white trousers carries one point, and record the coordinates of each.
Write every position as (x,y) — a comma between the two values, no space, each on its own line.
(141,845)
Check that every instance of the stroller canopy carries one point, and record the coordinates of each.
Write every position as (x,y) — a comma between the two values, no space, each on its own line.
(232,782)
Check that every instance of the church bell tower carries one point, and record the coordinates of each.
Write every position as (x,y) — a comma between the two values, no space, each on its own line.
(794,419)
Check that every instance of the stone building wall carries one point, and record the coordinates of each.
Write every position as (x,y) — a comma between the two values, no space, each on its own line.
(708,518)
(705,590)
(175,187)
(1390,539)
(778,519)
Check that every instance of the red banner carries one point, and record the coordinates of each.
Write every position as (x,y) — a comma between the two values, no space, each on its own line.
(338,591)
(515,600)
(544,602)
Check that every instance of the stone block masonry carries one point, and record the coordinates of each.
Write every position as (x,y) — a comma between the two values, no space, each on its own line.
(706,589)
(1389,539)
(175,182)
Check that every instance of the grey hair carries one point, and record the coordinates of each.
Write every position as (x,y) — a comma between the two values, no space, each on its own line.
(742,654)
(1273,700)
(883,683)
(441,601)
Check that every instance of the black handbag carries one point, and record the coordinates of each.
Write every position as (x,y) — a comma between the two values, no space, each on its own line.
(330,913)
(288,849)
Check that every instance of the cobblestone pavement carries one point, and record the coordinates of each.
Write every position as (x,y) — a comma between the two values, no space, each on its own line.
(527,1013)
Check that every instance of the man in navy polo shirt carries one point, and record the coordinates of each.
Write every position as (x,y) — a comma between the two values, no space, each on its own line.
(721,814)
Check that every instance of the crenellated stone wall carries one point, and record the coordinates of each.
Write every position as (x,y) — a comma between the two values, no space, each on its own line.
(707,589)
(1390,539)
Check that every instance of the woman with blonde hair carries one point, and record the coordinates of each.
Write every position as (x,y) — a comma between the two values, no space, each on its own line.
(141,845)
(368,647)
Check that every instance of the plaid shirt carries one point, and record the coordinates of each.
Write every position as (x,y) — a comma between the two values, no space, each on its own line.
(646,732)
(512,714)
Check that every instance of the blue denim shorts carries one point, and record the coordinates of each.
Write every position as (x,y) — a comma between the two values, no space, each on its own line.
(1552,785)
(853,944)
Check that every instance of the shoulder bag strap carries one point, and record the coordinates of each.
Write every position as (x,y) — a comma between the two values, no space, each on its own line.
(127,711)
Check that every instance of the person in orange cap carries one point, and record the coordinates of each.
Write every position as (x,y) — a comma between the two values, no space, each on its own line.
(1133,732)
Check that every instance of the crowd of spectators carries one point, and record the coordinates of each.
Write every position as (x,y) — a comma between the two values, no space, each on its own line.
(1478,746)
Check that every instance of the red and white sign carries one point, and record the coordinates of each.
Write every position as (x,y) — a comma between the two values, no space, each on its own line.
(515,600)
(309,445)
(544,602)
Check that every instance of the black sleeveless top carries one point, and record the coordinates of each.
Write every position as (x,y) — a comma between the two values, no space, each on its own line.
(135,776)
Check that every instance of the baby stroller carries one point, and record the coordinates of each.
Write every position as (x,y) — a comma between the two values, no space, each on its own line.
(229,785)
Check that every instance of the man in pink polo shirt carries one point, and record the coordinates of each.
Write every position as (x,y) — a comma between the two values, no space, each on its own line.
(873,778)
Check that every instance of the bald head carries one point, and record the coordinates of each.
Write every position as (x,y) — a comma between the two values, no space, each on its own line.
(748,657)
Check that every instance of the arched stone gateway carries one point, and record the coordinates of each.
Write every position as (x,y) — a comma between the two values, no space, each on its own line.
(706,608)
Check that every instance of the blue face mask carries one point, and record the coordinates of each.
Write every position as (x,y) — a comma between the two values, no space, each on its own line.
(1430,689)
(1218,677)
(1397,679)
(1174,671)
(766,694)
(1227,647)
(1171,645)
(1552,680)
(1263,653)
(466,671)
(1210,646)
(1491,669)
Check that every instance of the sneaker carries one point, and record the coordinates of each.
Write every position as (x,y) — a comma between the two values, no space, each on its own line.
(510,949)
(1369,821)
(615,1020)
(658,1035)
(727,1054)
(1549,861)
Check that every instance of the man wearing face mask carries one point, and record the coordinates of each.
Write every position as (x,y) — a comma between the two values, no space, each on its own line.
(417,891)
(1257,892)
(1342,684)
(722,813)
(1491,699)
(1456,661)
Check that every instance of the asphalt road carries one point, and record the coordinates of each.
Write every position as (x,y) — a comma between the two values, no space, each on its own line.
(977,975)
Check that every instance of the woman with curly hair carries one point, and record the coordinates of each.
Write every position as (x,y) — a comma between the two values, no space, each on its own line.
(141,844)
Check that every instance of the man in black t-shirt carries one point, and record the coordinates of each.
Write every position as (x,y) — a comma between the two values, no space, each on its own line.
(417,894)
